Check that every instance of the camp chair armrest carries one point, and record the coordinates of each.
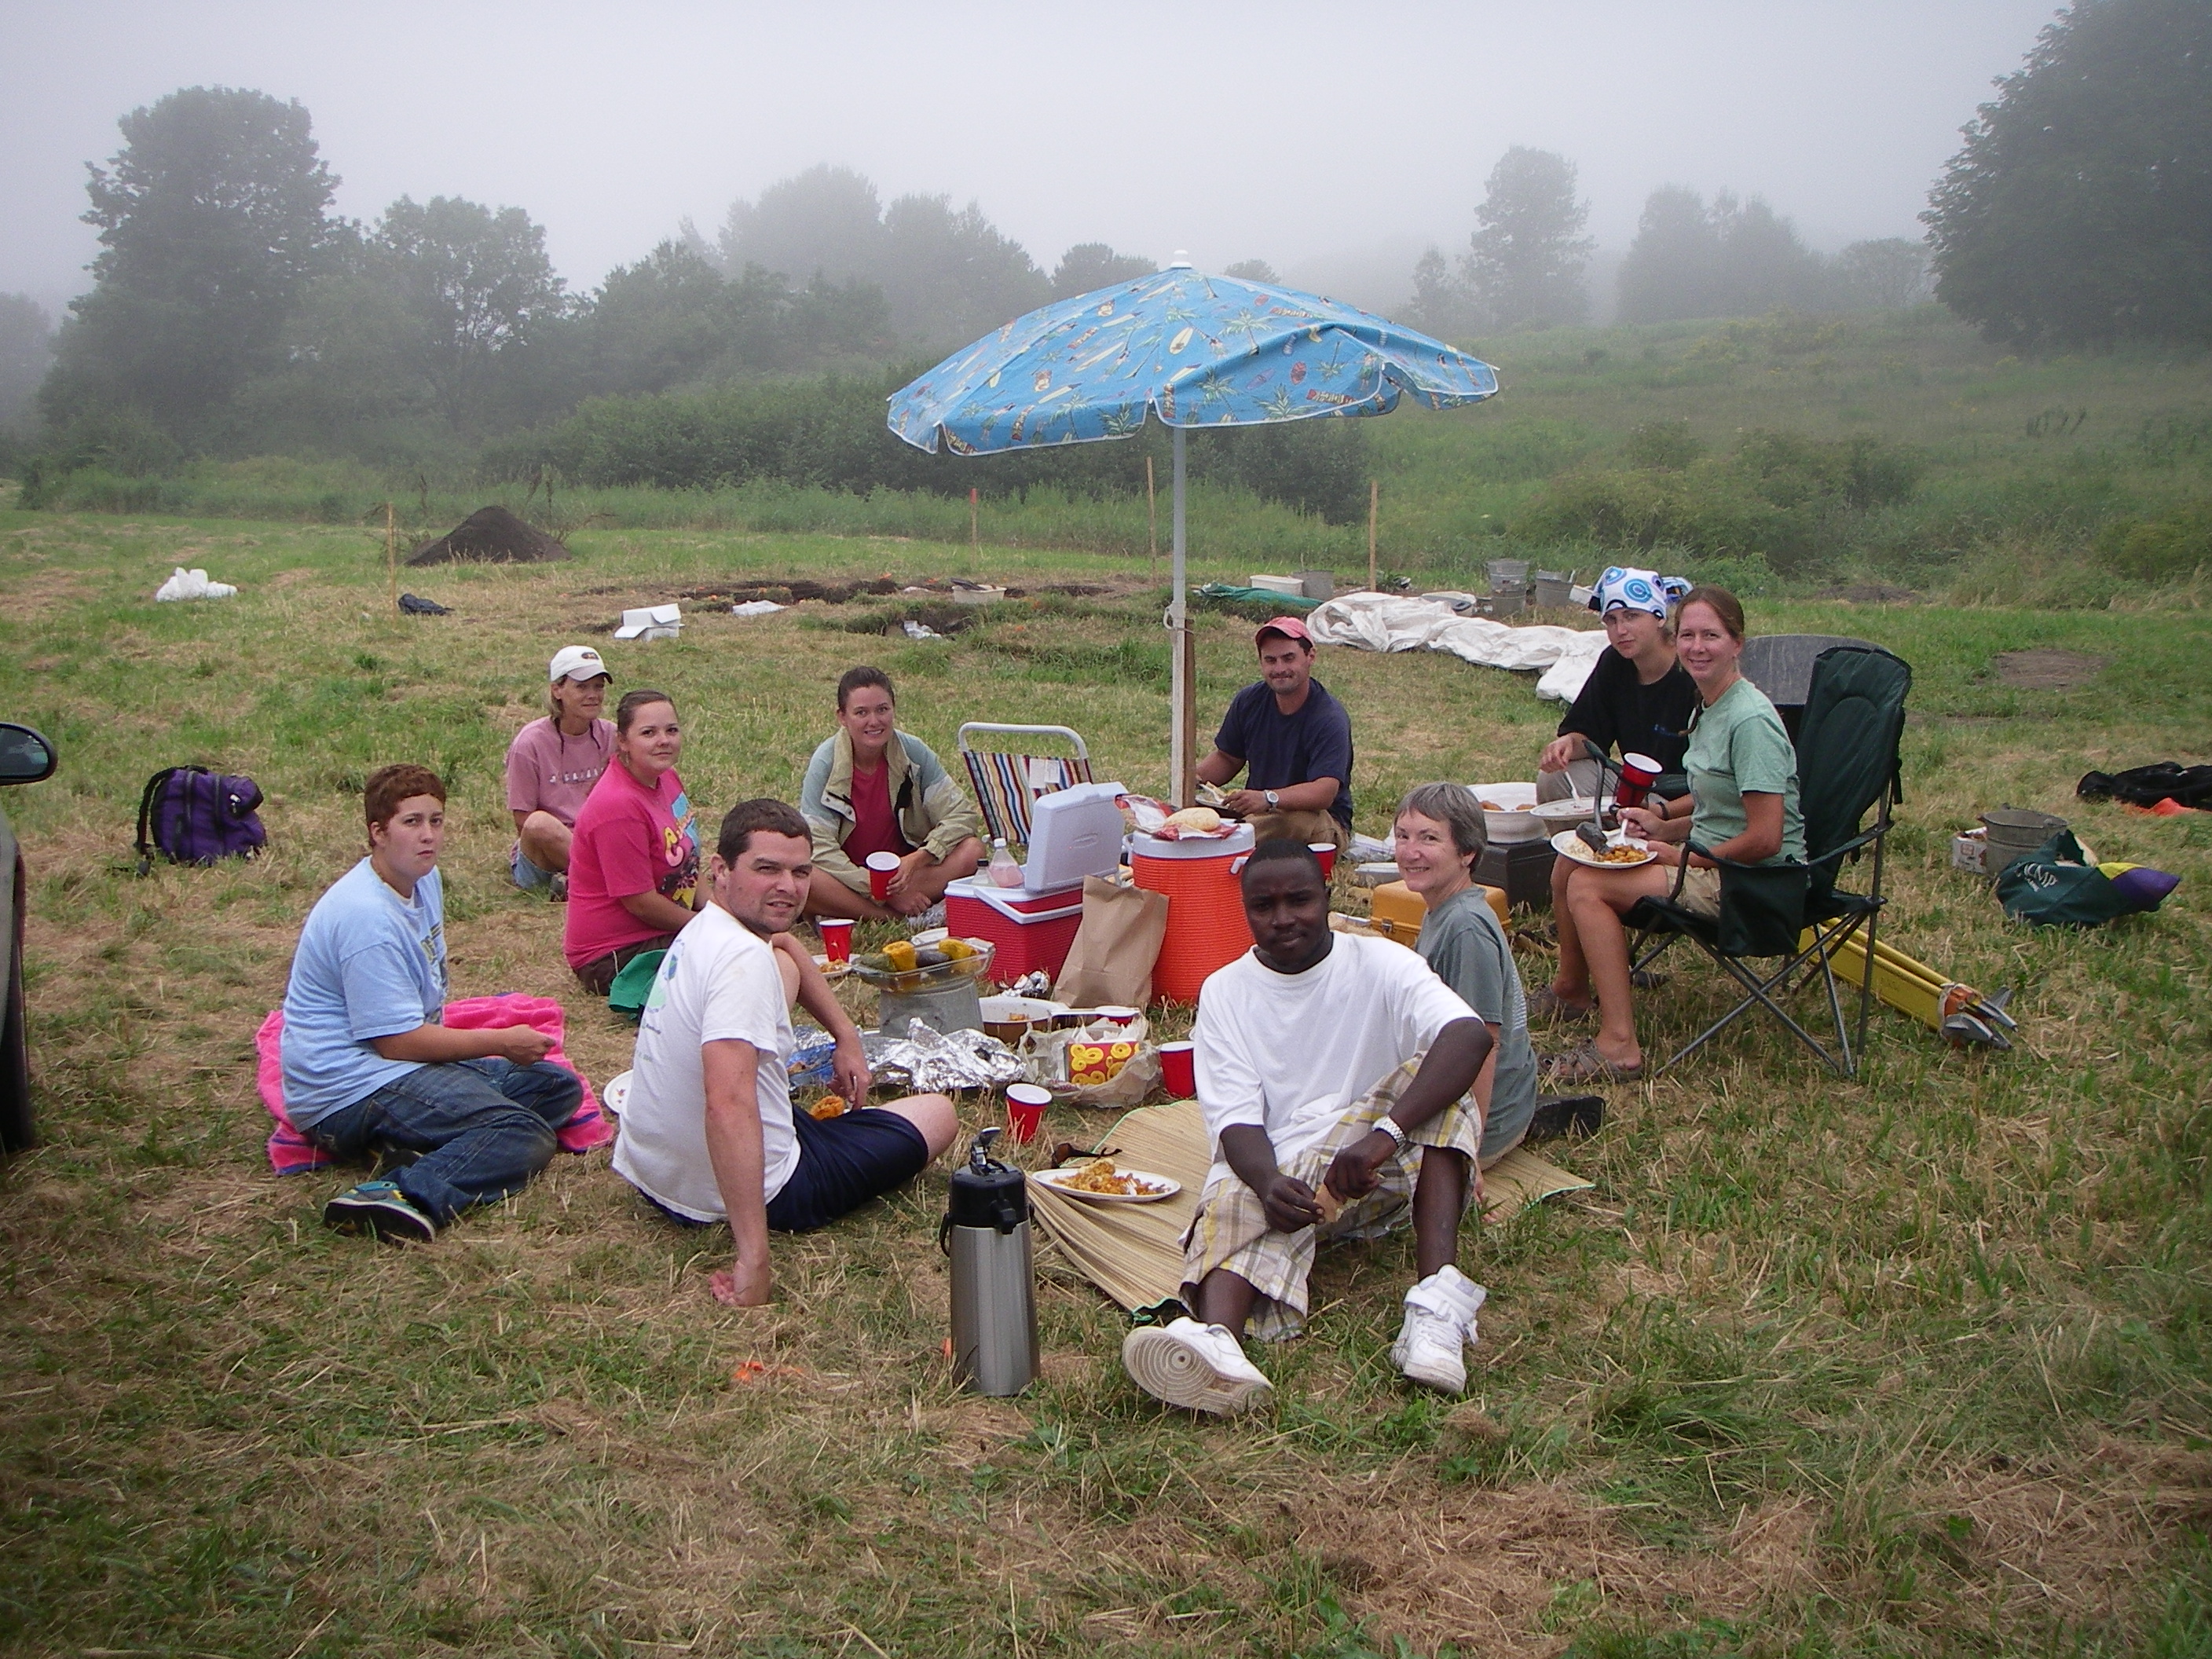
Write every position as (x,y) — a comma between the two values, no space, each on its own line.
(1708,855)
(1835,855)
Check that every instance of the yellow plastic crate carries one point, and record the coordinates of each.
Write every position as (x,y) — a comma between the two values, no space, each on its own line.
(1396,910)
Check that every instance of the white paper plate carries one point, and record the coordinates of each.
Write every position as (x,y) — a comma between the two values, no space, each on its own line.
(1058,1179)
(614,1093)
(1568,845)
(1570,809)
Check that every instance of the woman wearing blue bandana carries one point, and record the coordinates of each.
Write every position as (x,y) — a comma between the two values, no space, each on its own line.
(1637,699)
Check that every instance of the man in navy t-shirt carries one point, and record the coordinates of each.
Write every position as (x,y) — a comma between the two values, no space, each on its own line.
(1295,739)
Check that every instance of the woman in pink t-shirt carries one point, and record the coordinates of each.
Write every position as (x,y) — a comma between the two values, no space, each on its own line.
(634,859)
(551,767)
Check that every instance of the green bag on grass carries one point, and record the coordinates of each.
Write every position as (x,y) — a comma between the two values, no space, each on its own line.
(626,995)
(2055,885)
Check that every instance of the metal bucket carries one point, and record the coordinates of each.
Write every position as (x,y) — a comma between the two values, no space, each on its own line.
(2014,832)
(1509,575)
(1552,587)
(953,1006)
(1319,584)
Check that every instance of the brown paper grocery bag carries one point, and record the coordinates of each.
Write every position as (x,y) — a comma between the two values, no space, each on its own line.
(1115,946)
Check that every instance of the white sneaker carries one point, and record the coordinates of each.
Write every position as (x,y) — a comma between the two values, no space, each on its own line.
(1199,1367)
(1439,1326)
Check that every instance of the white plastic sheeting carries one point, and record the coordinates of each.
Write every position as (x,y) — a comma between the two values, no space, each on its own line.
(192,585)
(1385,621)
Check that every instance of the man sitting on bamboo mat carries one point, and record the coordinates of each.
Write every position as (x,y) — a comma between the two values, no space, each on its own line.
(1324,1060)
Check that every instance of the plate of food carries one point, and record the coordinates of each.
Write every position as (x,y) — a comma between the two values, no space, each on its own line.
(1100,1182)
(1621,853)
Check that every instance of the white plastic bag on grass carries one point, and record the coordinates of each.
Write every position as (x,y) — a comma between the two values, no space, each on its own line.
(192,585)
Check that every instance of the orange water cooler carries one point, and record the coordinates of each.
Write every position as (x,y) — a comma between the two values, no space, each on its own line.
(1206,928)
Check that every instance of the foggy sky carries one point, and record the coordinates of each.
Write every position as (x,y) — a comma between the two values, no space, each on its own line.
(1325,138)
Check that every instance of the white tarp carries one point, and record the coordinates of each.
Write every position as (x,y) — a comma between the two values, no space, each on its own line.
(1387,622)
(192,585)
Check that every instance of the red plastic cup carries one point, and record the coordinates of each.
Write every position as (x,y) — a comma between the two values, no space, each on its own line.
(1026,1104)
(1179,1069)
(1118,1013)
(1638,774)
(1326,852)
(882,867)
(837,939)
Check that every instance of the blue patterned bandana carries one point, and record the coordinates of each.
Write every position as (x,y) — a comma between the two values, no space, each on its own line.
(1636,590)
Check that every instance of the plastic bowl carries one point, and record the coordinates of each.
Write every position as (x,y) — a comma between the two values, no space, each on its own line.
(931,977)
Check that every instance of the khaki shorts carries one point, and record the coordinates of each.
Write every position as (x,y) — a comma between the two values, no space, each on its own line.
(1701,892)
(1307,827)
(1231,1229)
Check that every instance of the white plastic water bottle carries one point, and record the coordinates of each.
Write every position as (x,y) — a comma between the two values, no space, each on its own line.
(1005,872)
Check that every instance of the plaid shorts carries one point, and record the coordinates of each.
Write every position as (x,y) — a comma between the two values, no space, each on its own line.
(1231,1229)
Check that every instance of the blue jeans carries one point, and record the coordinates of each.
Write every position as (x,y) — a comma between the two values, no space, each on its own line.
(483,1127)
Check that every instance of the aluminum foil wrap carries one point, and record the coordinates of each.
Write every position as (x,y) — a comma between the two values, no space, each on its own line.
(937,1062)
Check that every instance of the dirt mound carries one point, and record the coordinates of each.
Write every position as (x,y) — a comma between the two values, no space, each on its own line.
(490,535)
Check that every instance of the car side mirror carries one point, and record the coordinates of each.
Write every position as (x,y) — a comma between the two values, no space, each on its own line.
(25,756)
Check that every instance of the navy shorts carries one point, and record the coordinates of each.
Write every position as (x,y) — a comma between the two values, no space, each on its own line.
(843,1162)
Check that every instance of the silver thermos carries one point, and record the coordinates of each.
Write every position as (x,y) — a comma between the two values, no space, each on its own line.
(987,1233)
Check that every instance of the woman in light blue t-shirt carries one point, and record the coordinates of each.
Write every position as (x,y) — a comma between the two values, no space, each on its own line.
(1742,806)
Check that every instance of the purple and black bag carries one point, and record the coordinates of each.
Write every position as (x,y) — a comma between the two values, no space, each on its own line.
(192,816)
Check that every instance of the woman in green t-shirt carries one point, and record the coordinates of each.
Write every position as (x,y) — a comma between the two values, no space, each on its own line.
(1742,806)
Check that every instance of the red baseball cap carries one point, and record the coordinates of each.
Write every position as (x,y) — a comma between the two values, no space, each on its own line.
(1289,627)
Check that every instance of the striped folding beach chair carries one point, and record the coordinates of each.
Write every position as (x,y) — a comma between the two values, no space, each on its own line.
(1009,766)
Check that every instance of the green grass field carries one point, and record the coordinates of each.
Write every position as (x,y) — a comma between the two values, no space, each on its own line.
(2016,467)
(1915,1365)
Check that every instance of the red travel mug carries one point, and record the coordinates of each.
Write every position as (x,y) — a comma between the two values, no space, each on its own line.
(1638,774)
(1179,1069)
(882,867)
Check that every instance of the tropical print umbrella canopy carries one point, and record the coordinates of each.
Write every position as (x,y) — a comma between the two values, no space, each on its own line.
(1197,350)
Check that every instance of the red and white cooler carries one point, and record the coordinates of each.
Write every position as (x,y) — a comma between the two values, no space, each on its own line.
(1030,930)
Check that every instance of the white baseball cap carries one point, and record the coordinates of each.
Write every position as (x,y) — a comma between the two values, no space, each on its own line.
(577,662)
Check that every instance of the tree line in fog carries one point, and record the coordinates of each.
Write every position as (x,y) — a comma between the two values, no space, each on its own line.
(233,312)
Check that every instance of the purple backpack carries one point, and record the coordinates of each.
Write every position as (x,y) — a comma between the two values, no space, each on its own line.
(193,816)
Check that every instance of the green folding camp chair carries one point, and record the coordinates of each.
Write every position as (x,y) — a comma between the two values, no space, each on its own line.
(1847,765)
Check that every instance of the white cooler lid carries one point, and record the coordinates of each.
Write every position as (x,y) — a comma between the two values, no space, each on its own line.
(1073,833)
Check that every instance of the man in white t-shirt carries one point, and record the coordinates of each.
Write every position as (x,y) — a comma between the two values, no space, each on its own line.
(1324,1060)
(708,1132)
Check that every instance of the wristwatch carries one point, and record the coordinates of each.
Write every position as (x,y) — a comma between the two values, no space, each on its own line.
(1274,801)
(1389,1126)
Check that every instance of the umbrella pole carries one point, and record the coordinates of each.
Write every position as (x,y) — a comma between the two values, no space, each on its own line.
(1182,760)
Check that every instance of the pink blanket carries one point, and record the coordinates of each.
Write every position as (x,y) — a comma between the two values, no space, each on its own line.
(291,1152)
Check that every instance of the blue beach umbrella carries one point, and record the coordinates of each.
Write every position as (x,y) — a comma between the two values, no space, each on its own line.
(1192,351)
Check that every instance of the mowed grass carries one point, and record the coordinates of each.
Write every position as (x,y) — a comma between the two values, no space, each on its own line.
(1915,1365)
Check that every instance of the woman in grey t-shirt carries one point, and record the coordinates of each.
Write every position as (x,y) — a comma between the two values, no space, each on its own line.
(1438,835)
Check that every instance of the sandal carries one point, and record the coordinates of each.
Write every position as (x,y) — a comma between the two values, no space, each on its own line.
(1584,1064)
(1545,1003)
